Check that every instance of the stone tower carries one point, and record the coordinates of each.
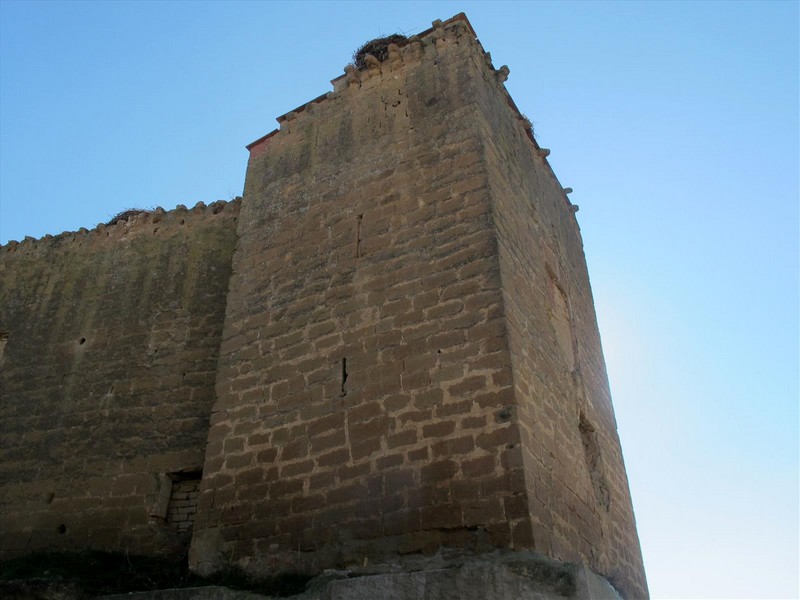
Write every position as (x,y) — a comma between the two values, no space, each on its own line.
(388,349)
(410,359)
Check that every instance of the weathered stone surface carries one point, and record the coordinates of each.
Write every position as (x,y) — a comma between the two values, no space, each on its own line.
(112,338)
(411,286)
(497,576)
(392,350)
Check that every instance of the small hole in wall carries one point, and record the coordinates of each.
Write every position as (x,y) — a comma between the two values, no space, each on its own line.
(503,414)
(82,341)
(50,497)
(438,352)
(359,219)
(344,377)
(183,221)
(62,529)
(155,230)
(509,446)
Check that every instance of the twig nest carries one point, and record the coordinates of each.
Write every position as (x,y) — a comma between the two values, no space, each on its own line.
(378,48)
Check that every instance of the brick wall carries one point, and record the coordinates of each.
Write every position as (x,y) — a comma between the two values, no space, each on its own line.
(107,375)
(183,503)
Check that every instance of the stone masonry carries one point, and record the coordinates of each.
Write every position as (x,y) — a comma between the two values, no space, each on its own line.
(107,376)
(388,348)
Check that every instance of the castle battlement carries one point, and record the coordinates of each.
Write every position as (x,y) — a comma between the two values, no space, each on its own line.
(423,46)
(151,222)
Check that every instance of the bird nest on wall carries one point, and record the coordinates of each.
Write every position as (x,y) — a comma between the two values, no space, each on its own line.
(125,215)
(379,48)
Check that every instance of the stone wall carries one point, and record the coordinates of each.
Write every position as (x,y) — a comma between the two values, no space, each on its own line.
(364,399)
(107,376)
(578,492)
(410,358)
(393,351)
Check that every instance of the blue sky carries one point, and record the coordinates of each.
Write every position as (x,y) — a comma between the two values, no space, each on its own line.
(676,123)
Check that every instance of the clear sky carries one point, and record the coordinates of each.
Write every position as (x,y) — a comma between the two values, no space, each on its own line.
(676,124)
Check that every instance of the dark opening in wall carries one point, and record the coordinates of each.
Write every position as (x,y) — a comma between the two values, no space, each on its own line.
(183,500)
(358,236)
(344,377)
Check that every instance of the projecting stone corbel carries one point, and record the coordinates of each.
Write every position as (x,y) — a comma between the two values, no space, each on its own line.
(373,64)
(459,28)
(502,74)
(352,76)
(544,152)
(394,53)
(415,43)
(438,34)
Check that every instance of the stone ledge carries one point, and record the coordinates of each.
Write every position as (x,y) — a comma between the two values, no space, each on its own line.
(502,575)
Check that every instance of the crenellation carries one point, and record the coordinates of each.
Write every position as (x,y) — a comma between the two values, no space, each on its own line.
(134,225)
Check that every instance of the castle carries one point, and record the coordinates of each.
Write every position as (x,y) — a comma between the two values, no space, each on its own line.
(386,348)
